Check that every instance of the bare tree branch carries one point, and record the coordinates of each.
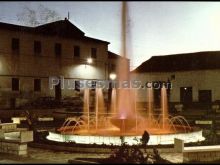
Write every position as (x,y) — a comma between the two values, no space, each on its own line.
(32,17)
(47,15)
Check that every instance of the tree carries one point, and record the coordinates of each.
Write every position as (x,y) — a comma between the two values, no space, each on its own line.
(35,17)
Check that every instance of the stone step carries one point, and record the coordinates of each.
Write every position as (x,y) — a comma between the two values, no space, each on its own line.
(13,148)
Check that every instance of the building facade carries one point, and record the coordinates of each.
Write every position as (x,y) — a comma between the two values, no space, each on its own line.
(195,77)
(30,55)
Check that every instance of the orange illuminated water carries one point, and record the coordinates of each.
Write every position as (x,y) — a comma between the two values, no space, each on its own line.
(113,101)
(125,107)
(164,107)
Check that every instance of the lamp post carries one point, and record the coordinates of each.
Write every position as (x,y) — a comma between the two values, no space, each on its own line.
(89,60)
(112,76)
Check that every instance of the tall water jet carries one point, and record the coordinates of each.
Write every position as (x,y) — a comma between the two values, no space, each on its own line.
(96,109)
(113,102)
(124,29)
(125,111)
(164,106)
(124,108)
(99,106)
(135,109)
(150,101)
(86,105)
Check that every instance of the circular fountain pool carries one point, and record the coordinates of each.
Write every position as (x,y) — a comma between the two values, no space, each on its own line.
(109,131)
(124,120)
(189,137)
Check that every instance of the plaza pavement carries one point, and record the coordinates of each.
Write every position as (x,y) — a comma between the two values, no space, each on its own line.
(40,156)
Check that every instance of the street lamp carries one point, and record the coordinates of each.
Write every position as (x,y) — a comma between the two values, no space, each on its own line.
(89,60)
(112,76)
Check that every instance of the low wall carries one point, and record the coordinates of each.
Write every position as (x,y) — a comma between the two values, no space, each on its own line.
(177,147)
(14,140)
(8,126)
(201,154)
(13,147)
(108,140)
(91,149)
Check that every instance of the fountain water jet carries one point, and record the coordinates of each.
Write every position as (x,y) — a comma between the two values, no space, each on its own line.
(86,105)
(164,107)
(99,106)
(150,115)
(126,105)
(101,129)
(113,101)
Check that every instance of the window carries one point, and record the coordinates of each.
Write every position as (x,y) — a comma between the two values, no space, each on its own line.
(205,96)
(15,45)
(76,51)
(173,77)
(37,47)
(58,92)
(77,85)
(186,95)
(113,67)
(15,84)
(94,53)
(58,49)
(37,85)
(93,85)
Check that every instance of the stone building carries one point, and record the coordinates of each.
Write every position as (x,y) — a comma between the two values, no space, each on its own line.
(195,77)
(30,55)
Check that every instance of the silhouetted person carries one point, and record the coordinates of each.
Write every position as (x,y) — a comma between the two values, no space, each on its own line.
(145,138)
(30,120)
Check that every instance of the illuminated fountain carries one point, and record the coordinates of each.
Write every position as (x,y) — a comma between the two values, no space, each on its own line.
(102,127)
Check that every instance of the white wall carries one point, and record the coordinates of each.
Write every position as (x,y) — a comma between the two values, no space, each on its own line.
(198,80)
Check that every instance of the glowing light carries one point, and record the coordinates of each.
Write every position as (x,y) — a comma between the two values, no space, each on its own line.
(81,70)
(112,76)
(122,117)
(185,88)
(89,60)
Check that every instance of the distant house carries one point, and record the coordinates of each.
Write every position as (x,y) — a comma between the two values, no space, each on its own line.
(30,55)
(195,77)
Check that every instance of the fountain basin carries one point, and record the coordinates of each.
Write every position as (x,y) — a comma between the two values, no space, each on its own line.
(155,139)
(124,124)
